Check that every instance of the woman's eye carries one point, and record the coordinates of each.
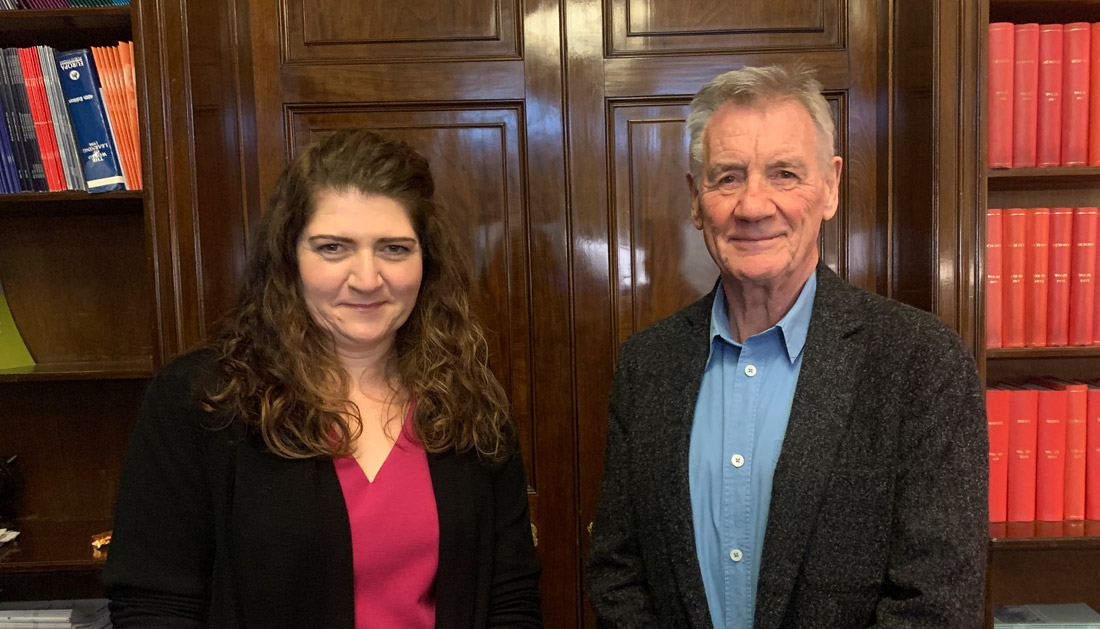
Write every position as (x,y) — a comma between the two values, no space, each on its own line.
(329,247)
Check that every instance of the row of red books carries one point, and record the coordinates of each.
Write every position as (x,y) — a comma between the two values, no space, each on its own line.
(1044,89)
(1044,451)
(1040,268)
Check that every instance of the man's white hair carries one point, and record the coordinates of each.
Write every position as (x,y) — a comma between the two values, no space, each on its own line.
(751,86)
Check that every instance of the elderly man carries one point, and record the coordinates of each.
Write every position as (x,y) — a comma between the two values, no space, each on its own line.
(789,451)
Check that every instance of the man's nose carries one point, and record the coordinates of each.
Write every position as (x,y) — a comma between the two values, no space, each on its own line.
(755,203)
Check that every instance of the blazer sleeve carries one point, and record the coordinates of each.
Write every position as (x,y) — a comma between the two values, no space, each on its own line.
(514,598)
(616,572)
(936,570)
(160,561)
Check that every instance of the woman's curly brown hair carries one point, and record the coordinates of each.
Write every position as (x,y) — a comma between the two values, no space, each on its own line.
(279,369)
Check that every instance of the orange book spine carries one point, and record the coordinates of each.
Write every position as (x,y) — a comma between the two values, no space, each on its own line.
(1082,288)
(1050,463)
(1001,38)
(997,416)
(1014,277)
(1037,262)
(1022,435)
(1075,94)
(1025,85)
(1049,152)
(1076,448)
(994,293)
(1092,454)
(1058,276)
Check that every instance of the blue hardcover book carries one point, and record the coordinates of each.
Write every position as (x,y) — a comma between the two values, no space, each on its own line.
(10,175)
(79,82)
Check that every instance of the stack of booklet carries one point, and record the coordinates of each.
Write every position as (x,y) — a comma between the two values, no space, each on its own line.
(1075,616)
(81,614)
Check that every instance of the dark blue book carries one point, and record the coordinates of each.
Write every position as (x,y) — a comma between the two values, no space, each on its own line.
(9,176)
(80,84)
(22,105)
(15,129)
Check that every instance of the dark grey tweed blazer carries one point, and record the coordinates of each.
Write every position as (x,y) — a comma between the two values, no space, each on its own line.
(879,504)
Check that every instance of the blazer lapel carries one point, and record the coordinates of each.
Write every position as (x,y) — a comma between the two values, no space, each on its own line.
(818,421)
(675,422)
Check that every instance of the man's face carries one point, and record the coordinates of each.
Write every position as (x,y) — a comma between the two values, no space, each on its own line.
(764,193)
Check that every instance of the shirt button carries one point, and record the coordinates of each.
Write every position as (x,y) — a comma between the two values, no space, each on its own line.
(750,370)
(735,554)
(737,460)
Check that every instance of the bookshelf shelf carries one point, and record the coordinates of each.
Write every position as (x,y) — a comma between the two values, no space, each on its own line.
(1055,177)
(60,27)
(134,369)
(53,546)
(72,203)
(1045,11)
(1066,535)
(1042,352)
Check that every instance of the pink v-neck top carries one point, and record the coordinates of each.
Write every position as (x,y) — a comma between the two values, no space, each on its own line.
(394,537)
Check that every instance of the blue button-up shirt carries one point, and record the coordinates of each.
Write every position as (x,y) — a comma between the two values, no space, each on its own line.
(740,419)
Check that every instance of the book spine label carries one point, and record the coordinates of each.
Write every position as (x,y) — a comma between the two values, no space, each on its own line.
(1001,59)
(994,294)
(1022,435)
(997,409)
(89,117)
(1015,276)
(1025,85)
(1037,262)
(1050,464)
(1082,288)
(1049,139)
(1092,455)
(1076,447)
(1075,94)
(1058,276)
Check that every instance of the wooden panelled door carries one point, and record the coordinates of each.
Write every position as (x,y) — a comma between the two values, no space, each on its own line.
(554,128)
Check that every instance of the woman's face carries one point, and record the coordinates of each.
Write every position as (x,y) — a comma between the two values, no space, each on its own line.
(361,266)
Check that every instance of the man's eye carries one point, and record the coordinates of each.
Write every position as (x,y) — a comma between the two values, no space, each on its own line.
(786,174)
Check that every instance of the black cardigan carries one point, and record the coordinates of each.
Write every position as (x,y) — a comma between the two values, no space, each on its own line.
(211,529)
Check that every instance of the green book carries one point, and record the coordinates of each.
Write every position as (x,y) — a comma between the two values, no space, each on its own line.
(13,353)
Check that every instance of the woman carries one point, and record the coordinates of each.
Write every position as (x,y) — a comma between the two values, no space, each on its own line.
(340,454)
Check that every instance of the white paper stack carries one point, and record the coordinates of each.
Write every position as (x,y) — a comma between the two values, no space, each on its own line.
(79,614)
(1074,616)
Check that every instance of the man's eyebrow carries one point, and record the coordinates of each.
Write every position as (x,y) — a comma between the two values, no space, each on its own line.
(791,164)
(721,167)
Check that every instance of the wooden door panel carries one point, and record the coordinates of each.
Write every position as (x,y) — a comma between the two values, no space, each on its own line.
(476,163)
(375,30)
(661,27)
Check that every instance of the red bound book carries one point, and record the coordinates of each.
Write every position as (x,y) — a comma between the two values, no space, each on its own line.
(1001,39)
(1037,263)
(1092,453)
(1050,457)
(1023,409)
(1058,275)
(1082,288)
(1025,84)
(1050,95)
(993,286)
(1076,444)
(1094,94)
(997,415)
(1075,94)
(43,122)
(1014,283)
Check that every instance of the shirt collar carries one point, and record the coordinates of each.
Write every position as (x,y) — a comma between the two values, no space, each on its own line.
(793,327)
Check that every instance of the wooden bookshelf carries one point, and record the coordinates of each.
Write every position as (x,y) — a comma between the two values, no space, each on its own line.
(1034,562)
(80,274)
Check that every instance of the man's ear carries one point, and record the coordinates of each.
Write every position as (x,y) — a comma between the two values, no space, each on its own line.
(832,173)
(696,213)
